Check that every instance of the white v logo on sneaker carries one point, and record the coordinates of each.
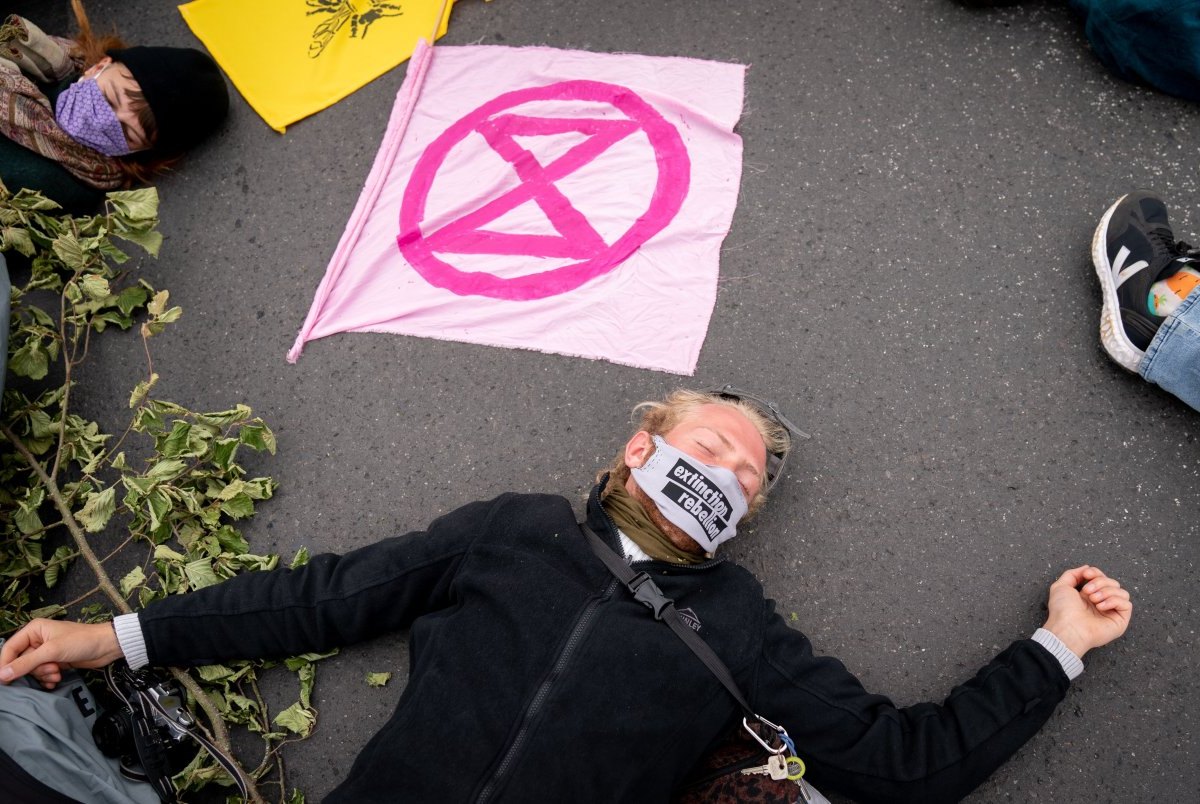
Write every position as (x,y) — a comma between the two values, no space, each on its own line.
(1120,273)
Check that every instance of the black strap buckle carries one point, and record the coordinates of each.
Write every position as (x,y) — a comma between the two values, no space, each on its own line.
(647,592)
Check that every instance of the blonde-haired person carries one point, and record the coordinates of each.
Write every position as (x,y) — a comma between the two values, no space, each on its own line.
(660,416)
(564,685)
(90,115)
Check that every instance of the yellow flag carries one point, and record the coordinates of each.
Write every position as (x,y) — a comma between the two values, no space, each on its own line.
(293,58)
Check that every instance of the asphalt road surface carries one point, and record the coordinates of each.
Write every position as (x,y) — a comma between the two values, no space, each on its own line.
(908,273)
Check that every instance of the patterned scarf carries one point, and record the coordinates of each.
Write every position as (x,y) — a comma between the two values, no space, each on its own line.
(631,518)
(26,116)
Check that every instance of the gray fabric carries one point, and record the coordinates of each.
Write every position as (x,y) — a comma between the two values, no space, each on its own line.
(49,734)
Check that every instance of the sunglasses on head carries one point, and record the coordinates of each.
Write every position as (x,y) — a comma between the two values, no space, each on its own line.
(775,460)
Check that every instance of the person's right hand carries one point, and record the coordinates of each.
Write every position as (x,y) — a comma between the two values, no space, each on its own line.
(45,648)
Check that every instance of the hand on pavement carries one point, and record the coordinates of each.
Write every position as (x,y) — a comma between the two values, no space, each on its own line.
(1087,609)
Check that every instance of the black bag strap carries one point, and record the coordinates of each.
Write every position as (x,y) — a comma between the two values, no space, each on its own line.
(646,591)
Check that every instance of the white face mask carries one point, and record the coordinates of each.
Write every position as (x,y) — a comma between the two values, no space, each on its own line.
(705,502)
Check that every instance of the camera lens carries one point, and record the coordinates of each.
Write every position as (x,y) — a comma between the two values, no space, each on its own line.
(113,733)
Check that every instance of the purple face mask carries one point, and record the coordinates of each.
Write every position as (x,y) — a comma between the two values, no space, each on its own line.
(83,112)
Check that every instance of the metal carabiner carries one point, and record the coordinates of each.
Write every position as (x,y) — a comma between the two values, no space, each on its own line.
(778,730)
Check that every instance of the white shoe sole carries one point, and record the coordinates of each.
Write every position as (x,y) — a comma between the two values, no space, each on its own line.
(1112,333)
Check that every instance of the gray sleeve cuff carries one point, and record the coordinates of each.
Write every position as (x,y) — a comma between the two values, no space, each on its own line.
(1071,664)
(129,637)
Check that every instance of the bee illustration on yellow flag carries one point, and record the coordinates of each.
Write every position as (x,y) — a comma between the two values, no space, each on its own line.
(361,14)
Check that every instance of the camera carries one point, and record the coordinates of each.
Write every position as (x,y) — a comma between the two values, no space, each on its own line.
(148,728)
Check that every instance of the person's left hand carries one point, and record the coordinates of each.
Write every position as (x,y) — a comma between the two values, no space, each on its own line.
(1087,609)
(45,648)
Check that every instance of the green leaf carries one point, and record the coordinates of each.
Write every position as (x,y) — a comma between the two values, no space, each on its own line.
(58,563)
(146,596)
(294,663)
(224,418)
(111,252)
(132,298)
(135,205)
(200,573)
(132,580)
(26,516)
(239,507)
(301,558)
(253,562)
(177,442)
(296,719)
(31,360)
(224,451)
(159,303)
(378,679)
(214,672)
(260,488)
(231,490)
(94,287)
(49,612)
(158,504)
(32,200)
(232,541)
(150,241)
(167,554)
(98,509)
(141,389)
(27,521)
(308,677)
(257,436)
(14,239)
(165,469)
(68,249)
(148,420)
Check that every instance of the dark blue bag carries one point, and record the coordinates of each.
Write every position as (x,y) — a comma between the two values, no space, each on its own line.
(1156,42)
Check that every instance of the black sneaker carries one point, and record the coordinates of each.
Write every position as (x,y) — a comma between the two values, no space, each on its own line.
(1132,249)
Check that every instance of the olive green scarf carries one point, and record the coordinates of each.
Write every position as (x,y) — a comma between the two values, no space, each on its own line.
(631,518)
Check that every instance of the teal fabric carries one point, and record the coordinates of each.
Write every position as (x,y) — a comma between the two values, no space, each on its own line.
(1152,41)
(21,168)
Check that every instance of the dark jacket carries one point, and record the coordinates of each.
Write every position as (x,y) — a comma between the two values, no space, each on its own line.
(566,689)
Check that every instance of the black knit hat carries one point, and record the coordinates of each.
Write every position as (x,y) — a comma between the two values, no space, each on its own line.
(184,90)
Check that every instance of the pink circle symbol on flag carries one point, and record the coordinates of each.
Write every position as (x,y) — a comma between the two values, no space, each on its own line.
(617,142)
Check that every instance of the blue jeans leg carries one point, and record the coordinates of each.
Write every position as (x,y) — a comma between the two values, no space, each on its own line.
(1173,359)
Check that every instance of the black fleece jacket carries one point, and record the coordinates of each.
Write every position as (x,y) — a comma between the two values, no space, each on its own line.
(566,689)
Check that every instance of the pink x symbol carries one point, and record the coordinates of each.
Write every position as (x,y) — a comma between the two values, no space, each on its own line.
(577,238)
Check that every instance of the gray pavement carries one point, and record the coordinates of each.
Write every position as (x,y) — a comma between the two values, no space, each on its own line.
(908,272)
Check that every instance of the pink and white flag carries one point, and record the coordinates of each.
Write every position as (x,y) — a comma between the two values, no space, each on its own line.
(557,200)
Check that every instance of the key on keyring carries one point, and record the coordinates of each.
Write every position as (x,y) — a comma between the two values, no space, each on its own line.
(776,768)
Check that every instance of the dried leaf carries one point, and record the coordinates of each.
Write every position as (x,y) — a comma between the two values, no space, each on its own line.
(378,679)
